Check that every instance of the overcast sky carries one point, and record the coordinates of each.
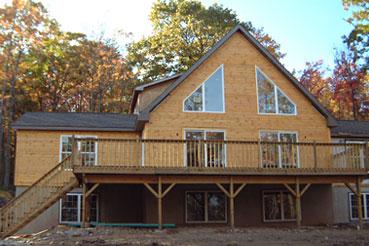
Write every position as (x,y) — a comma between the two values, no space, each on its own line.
(308,30)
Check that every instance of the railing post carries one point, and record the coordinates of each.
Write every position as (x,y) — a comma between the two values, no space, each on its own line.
(315,155)
(74,154)
(142,153)
(366,155)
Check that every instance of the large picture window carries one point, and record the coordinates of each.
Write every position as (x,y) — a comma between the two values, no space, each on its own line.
(210,153)
(278,206)
(71,208)
(88,149)
(278,149)
(271,99)
(354,206)
(205,206)
(209,96)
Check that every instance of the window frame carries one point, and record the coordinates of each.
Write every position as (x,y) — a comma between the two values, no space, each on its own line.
(79,146)
(205,154)
(282,207)
(79,209)
(275,95)
(279,147)
(206,215)
(365,202)
(202,85)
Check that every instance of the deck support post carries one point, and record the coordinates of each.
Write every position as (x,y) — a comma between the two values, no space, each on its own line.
(160,205)
(231,194)
(85,207)
(298,203)
(160,195)
(359,202)
(298,193)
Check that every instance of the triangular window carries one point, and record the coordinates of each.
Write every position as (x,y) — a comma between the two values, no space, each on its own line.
(209,96)
(271,99)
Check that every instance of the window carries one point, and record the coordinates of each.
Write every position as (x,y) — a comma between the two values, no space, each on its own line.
(209,97)
(205,154)
(88,149)
(71,208)
(354,206)
(278,206)
(205,206)
(281,151)
(271,99)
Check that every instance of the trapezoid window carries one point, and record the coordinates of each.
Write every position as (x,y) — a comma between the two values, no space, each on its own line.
(271,99)
(209,96)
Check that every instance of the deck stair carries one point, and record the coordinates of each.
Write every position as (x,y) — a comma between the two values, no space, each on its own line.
(37,198)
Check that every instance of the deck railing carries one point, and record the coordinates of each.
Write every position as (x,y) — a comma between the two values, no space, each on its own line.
(221,154)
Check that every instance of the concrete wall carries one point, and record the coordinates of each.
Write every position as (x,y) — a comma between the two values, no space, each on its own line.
(341,203)
(47,219)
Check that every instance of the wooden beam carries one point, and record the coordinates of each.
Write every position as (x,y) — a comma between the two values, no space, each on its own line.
(290,189)
(305,189)
(351,188)
(239,189)
(298,203)
(231,202)
(359,202)
(88,193)
(168,189)
(156,194)
(160,205)
(223,189)
(85,207)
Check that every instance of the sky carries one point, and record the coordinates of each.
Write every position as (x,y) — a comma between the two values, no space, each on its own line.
(308,30)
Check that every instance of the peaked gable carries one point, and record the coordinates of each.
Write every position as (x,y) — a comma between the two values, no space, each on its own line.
(144,115)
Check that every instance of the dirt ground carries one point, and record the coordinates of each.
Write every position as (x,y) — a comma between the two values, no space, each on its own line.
(61,235)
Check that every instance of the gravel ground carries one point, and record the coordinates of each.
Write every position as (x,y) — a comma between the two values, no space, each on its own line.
(61,235)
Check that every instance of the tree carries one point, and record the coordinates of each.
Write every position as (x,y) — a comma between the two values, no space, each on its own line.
(314,79)
(350,88)
(358,39)
(184,30)
(21,24)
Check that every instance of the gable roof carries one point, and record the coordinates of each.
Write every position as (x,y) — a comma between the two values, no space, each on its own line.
(142,87)
(76,121)
(351,128)
(144,115)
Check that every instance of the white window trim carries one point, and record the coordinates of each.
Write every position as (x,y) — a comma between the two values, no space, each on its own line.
(206,207)
(79,143)
(282,209)
(79,204)
(364,200)
(279,147)
(276,95)
(203,95)
(204,130)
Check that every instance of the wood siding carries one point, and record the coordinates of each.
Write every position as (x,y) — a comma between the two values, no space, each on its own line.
(150,93)
(38,151)
(241,120)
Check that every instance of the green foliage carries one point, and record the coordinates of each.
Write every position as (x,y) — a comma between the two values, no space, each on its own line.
(358,38)
(184,30)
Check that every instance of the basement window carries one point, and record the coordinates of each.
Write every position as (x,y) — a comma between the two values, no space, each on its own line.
(271,99)
(275,155)
(71,208)
(354,206)
(278,206)
(209,96)
(205,207)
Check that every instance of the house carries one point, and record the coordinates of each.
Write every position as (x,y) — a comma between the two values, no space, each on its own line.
(345,202)
(235,140)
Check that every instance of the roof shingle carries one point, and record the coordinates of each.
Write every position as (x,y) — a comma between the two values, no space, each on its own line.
(351,128)
(76,121)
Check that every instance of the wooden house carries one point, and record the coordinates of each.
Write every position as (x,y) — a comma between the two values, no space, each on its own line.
(235,140)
